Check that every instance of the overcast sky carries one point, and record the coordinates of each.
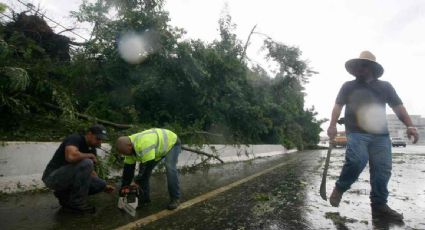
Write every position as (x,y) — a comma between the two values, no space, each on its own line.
(328,32)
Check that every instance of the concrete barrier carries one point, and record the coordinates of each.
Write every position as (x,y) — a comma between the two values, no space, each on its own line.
(22,163)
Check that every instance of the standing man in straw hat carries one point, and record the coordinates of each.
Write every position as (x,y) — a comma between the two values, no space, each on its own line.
(365,99)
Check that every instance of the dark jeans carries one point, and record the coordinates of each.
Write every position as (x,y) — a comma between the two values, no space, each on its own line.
(362,148)
(145,173)
(74,182)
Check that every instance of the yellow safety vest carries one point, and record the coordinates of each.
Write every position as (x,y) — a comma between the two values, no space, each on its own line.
(151,144)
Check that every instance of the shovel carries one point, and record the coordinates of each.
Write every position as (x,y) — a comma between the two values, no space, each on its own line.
(325,172)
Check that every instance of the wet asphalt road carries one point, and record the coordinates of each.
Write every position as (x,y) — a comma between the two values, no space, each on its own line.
(285,198)
(288,198)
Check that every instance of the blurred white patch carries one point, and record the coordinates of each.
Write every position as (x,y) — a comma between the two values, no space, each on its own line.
(372,118)
(134,48)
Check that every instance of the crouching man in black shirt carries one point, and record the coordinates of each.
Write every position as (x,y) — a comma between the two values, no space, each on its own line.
(70,173)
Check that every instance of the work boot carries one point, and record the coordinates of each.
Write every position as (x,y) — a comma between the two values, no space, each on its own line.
(335,197)
(84,208)
(385,212)
(63,197)
(174,203)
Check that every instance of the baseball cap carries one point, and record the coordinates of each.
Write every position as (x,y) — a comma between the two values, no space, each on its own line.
(99,131)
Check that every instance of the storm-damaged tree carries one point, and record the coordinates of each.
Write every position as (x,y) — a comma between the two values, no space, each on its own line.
(185,85)
(32,61)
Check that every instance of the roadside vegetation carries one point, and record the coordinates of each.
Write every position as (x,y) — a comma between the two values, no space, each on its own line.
(208,92)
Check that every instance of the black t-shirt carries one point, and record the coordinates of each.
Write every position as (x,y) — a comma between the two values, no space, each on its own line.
(365,105)
(58,159)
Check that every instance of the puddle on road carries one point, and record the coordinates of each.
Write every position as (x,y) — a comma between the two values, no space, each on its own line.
(406,186)
(292,201)
(17,211)
(271,201)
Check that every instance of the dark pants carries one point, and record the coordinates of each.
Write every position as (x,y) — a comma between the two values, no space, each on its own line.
(145,173)
(74,182)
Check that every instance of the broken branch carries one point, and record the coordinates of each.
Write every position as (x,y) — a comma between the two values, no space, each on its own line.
(203,153)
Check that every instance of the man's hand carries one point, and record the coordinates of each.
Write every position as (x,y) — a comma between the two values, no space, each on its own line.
(92,157)
(109,188)
(93,174)
(127,189)
(124,190)
(332,131)
(412,131)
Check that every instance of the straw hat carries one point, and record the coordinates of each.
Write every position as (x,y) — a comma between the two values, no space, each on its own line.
(366,57)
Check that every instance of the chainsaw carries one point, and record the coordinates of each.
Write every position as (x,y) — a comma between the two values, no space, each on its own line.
(128,199)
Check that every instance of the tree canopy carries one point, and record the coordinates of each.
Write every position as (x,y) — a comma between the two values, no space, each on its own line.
(185,85)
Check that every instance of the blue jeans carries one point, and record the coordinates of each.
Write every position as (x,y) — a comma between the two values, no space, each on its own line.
(362,147)
(74,182)
(145,173)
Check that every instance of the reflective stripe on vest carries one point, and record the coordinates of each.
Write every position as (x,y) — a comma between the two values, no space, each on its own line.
(164,139)
(149,148)
(145,154)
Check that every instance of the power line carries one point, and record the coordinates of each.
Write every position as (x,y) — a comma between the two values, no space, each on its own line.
(30,6)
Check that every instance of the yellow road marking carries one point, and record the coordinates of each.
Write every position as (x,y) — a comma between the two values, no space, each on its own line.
(159,215)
